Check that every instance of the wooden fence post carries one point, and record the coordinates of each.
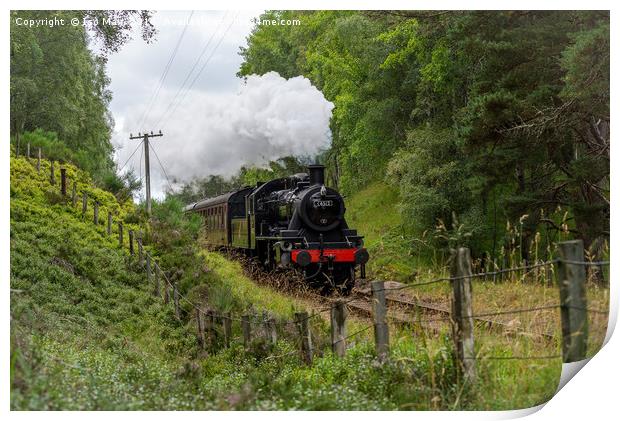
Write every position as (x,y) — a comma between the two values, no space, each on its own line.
(166,291)
(201,329)
(175,297)
(573,302)
(227,322)
(39,160)
(306,342)
(120,234)
(74,194)
(247,330)
(28,150)
(131,242)
(52,174)
(211,328)
(462,320)
(156,276)
(379,313)
(273,331)
(338,329)
(109,223)
(148,272)
(265,323)
(84,203)
(96,213)
(269,328)
(63,181)
(140,250)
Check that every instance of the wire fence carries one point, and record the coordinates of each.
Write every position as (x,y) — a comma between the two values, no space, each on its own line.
(478,275)
(574,339)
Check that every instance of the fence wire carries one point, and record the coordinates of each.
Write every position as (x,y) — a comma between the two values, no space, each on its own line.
(425,320)
(362,330)
(474,275)
(210,313)
(207,312)
(514,357)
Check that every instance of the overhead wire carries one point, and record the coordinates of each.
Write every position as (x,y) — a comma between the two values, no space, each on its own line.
(161,166)
(162,78)
(184,95)
(131,156)
(189,74)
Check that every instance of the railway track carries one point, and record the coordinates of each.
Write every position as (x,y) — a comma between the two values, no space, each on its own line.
(403,308)
(407,310)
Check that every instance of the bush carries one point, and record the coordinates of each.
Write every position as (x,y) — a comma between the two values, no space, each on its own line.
(51,147)
(122,186)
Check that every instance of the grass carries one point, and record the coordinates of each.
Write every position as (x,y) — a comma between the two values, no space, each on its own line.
(87,333)
(374,213)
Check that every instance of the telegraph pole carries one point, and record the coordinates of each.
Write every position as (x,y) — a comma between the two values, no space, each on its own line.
(147,165)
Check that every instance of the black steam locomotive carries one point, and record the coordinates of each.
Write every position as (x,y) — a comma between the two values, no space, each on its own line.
(294,221)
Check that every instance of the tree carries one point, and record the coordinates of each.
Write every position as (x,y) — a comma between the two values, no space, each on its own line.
(59,85)
(489,116)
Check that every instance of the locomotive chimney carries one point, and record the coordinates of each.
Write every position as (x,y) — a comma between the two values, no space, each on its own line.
(317,174)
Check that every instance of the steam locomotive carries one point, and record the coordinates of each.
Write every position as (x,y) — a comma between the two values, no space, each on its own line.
(294,221)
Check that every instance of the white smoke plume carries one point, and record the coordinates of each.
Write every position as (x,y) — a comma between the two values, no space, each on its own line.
(268,118)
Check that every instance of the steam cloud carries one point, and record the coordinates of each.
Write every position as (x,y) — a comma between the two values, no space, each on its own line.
(269,117)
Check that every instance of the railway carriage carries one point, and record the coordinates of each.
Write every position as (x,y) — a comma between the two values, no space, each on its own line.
(293,221)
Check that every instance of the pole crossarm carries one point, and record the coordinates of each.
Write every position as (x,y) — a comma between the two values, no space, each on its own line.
(143,135)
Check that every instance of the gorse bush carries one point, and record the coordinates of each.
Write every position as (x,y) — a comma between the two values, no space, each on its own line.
(53,148)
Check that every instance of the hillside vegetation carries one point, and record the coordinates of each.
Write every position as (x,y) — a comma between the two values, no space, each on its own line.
(88,333)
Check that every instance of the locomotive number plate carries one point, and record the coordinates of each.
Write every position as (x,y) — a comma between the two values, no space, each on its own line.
(323,203)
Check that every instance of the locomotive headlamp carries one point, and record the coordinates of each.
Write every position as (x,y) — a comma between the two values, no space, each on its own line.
(361,257)
(286,246)
(303,258)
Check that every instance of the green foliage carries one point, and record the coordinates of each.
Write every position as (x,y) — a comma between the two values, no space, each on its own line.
(210,186)
(279,168)
(58,85)
(122,186)
(465,118)
(586,63)
(430,174)
(76,307)
(51,147)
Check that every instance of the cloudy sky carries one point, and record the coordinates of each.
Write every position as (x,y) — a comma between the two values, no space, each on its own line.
(212,121)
